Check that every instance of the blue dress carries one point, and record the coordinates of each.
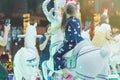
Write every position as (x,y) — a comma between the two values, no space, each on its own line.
(72,37)
(45,54)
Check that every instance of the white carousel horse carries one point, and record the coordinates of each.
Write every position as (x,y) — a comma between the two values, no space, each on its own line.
(26,60)
(58,35)
(115,55)
(87,62)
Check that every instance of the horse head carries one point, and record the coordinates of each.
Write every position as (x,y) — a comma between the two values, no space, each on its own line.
(58,4)
(30,36)
(54,17)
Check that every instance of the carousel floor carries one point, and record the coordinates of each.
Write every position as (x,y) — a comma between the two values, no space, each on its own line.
(113,77)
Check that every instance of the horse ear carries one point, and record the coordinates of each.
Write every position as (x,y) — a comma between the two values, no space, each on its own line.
(35,25)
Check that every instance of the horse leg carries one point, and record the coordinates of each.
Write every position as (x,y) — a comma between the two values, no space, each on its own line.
(115,70)
(40,76)
(17,68)
(45,69)
(103,75)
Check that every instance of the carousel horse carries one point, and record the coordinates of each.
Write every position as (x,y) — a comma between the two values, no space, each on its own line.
(90,62)
(57,35)
(26,60)
(115,55)
(87,62)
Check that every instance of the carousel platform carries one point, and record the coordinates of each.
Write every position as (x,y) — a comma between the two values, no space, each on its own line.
(113,77)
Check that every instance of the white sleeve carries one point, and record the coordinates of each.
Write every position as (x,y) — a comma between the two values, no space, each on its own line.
(105,27)
(96,28)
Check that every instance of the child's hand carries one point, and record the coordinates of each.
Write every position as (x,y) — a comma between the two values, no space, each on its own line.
(7,28)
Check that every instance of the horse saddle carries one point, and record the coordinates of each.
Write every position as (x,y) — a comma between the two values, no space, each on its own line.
(72,55)
(71,62)
(70,59)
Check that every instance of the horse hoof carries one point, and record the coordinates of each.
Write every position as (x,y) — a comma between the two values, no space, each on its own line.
(69,77)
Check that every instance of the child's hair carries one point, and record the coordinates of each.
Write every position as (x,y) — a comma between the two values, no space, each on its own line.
(69,9)
(103,19)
